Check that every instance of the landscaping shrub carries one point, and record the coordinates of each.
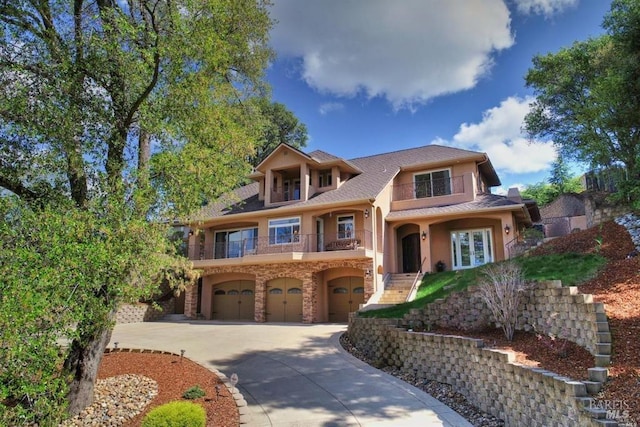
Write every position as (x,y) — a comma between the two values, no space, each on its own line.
(194,392)
(502,288)
(176,414)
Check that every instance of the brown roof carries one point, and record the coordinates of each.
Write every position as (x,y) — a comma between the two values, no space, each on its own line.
(481,203)
(377,172)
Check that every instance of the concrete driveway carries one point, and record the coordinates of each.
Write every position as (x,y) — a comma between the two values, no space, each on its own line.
(293,374)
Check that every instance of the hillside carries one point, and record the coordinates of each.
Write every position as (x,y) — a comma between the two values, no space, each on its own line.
(618,287)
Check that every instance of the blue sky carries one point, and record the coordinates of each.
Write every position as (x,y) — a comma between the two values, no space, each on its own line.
(371,76)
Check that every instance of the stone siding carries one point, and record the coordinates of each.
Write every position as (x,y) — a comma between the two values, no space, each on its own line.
(549,308)
(488,378)
(307,272)
(143,312)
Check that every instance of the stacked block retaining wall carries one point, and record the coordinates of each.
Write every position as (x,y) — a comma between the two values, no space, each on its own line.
(488,378)
(143,312)
(549,308)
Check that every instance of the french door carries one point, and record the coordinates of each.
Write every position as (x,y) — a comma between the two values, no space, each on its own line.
(471,248)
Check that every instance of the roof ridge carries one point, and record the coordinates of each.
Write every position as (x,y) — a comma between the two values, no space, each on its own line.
(415,148)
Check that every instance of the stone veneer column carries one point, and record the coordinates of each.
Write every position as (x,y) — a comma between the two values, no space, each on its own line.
(190,301)
(309,297)
(260,299)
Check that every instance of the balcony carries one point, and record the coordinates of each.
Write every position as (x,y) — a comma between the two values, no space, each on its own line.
(433,188)
(288,244)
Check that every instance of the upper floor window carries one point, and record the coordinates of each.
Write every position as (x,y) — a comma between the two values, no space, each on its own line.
(286,230)
(345,227)
(434,183)
(324,178)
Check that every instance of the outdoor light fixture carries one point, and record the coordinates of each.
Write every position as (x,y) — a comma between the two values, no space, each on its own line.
(367,274)
(366,213)
(424,235)
(190,233)
(507,229)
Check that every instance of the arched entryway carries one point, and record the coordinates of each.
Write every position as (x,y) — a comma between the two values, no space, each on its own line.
(284,300)
(233,300)
(345,296)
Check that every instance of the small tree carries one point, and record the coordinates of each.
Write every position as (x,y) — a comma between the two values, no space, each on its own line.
(502,289)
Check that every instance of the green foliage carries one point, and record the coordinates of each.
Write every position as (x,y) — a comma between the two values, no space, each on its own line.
(571,268)
(279,126)
(134,121)
(176,414)
(63,275)
(194,392)
(587,95)
(546,192)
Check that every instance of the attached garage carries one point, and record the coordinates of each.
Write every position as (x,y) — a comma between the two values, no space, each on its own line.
(284,300)
(345,296)
(233,300)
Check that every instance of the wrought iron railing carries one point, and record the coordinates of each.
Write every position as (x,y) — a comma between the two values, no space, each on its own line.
(433,188)
(358,239)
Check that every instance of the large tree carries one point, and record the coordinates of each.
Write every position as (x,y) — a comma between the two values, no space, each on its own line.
(588,95)
(114,118)
(279,125)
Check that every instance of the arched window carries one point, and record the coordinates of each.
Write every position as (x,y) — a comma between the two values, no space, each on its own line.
(340,291)
(219,292)
(246,292)
(358,290)
(294,291)
(275,291)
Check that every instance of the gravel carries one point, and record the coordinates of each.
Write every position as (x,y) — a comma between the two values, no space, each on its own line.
(116,400)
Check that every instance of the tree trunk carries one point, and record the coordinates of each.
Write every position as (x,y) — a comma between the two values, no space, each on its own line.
(83,362)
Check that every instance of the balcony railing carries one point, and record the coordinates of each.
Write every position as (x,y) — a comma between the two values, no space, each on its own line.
(433,188)
(359,239)
(285,194)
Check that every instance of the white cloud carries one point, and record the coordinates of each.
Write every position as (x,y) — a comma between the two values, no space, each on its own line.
(407,52)
(329,107)
(499,135)
(543,7)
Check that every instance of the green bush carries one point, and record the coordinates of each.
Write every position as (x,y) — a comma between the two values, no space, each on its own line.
(176,414)
(194,392)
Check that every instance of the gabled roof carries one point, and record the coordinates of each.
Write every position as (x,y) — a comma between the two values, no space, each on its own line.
(375,173)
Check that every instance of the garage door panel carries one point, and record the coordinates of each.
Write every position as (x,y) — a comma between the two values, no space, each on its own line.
(284,300)
(233,300)
(345,296)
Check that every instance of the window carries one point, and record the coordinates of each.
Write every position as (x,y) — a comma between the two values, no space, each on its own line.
(291,190)
(345,227)
(324,178)
(430,184)
(235,243)
(282,231)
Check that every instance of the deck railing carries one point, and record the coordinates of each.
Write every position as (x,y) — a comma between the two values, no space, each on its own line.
(358,239)
(435,187)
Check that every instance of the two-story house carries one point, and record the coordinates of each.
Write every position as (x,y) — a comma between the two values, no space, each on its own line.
(314,236)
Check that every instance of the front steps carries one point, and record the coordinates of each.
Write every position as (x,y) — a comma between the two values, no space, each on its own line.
(397,289)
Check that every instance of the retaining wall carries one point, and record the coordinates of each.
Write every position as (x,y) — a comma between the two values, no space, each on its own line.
(549,308)
(143,312)
(488,378)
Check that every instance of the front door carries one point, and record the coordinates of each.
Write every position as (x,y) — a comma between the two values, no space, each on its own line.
(411,253)
(471,248)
